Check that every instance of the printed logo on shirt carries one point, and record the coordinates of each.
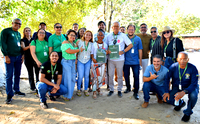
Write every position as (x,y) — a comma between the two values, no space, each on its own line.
(48,71)
(118,41)
(56,72)
(42,67)
(187,76)
(197,75)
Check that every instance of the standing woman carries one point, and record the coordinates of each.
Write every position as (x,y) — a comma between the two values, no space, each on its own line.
(84,61)
(69,50)
(171,46)
(80,32)
(39,50)
(56,40)
(28,60)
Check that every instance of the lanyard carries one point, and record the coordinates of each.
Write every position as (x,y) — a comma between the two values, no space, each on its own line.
(115,38)
(60,39)
(180,77)
(17,37)
(166,47)
(43,45)
(152,43)
(71,43)
(53,70)
(86,46)
(132,40)
(98,45)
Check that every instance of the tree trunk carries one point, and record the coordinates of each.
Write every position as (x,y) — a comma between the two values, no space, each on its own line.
(111,13)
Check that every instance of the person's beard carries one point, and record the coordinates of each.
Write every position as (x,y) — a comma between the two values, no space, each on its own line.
(130,35)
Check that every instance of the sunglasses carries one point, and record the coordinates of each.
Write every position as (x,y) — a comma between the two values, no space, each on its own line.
(153,32)
(58,26)
(166,32)
(17,23)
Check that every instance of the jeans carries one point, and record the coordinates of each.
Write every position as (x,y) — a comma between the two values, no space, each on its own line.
(83,71)
(168,62)
(192,99)
(44,88)
(14,68)
(68,76)
(151,87)
(135,69)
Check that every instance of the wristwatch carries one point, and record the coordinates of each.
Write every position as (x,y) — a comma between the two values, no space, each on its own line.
(123,51)
(185,91)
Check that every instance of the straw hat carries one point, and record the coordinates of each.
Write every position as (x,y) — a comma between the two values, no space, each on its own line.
(167,28)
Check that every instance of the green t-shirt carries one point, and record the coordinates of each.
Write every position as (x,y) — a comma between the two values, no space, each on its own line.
(55,41)
(66,55)
(41,50)
(10,42)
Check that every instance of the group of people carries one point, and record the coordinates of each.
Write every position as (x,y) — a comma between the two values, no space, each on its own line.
(61,58)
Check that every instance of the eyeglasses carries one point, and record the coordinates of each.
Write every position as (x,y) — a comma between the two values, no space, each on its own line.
(72,35)
(166,32)
(28,30)
(143,27)
(184,60)
(41,32)
(131,30)
(17,23)
(153,32)
(58,27)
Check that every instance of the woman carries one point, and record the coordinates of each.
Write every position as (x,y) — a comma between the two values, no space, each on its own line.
(28,60)
(69,51)
(84,61)
(55,41)
(39,50)
(98,48)
(171,46)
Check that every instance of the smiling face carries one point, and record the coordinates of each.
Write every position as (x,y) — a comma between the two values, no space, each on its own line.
(16,25)
(54,57)
(167,34)
(42,26)
(88,36)
(58,28)
(102,26)
(182,60)
(71,36)
(100,36)
(27,32)
(81,32)
(157,63)
(143,29)
(131,30)
(115,28)
(154,33)
(41,34)
(75,28)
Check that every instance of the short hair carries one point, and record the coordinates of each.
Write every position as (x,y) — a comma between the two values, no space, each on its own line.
(115,22)
(157,56)
(122,27)
(101,22)
(130,25)
(56,24)
(143,24)
(154,28)
(75,24)
(16,19)
(100,30)
(69,31)
(42,23)
(52,52)
(182,52)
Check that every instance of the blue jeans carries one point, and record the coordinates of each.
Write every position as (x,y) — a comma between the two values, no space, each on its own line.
(14,68)
(44,88)
(135,69)
(168,62)
(83,71)
(192,99)
(68,76)
(151,87)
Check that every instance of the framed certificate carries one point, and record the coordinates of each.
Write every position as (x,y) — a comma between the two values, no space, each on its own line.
(114,51)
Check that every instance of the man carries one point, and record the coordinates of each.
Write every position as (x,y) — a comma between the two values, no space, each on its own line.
(75,27)
(11,49)
(116,40)
(101,25)
(133,59)
(155,47)
(154,78)
(123,29)
(43,26)
(50,80)
(184,81)
(145,43)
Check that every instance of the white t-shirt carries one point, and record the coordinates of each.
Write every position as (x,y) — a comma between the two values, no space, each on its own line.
(122,39)
(95,47)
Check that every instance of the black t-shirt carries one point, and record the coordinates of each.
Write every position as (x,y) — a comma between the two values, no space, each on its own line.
(27,53)
(46,69)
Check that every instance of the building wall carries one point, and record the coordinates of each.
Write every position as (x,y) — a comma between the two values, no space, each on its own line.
(191,43)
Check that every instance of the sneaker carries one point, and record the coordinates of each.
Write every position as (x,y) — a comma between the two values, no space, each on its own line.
(44,105)
(136,96)
(178,108)
(145,104)
(185,118)
(19,94)
(52,98)
(110,93)
(8,101)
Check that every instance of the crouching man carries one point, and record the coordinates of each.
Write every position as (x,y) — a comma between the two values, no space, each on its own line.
(154,78)
(50,80)
(184,81)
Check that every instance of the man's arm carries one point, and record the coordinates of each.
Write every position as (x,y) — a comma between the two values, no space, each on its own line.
(140,56)
(152,76)
(44,80)
(59,79)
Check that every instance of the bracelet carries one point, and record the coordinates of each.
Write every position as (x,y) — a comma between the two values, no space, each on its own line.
(123,51)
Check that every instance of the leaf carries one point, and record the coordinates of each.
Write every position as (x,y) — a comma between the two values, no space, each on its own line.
(154,119)
(110,113)
(12,112)
(168,116)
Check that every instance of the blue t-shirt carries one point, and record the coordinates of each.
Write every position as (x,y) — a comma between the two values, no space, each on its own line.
(189,80)
(133,58)
(160,80)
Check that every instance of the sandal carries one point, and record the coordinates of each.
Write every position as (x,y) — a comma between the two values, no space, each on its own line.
(78,93)
(86,93)
(94,95)
(99,92)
